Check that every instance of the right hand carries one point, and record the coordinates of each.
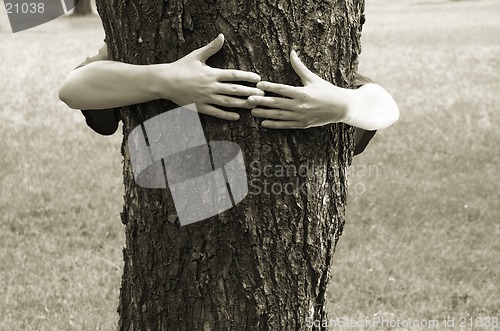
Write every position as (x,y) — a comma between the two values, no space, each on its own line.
(189,80)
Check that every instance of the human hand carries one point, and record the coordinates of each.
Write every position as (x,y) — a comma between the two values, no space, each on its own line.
(189,80)
(316,103)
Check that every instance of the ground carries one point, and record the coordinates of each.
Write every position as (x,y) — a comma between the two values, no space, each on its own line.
(421,241)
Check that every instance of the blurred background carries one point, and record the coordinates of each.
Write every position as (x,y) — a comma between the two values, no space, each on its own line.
(422,237)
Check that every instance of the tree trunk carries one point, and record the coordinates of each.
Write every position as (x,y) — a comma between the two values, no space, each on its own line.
(264,264)
(82,7)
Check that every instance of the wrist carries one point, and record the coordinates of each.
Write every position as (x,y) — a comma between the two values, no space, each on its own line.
(344,104)
(161,80)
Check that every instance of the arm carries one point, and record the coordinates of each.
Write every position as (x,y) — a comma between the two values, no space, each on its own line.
(108,84)
(319,102)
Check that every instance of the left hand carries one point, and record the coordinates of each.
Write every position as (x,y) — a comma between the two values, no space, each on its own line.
(316,103)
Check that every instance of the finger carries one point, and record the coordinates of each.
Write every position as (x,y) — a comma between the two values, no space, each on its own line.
(237,76)
(276,114)
(281,89)
(282,125)
(306,75)
(237,89)
(216,112)
(211,48)
(272,102)
(228,101)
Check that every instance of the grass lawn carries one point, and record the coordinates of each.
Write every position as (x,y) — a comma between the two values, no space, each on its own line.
(422,238)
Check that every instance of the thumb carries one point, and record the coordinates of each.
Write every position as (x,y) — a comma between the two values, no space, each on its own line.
(306,75)
(211,48)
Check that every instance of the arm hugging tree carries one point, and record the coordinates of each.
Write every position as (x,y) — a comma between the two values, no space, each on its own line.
(264,264)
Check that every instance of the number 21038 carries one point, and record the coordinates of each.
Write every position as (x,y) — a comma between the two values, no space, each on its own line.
(25,8)
(479,322)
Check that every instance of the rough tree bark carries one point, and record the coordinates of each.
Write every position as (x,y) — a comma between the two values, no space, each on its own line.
(264,264)
(82,7)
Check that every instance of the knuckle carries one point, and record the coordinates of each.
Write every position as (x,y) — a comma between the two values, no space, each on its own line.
(304,122)
(307,124)
(207,77)
(306,96)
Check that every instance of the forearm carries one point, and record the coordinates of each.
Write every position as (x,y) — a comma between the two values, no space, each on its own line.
(371,108)
(109,84)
